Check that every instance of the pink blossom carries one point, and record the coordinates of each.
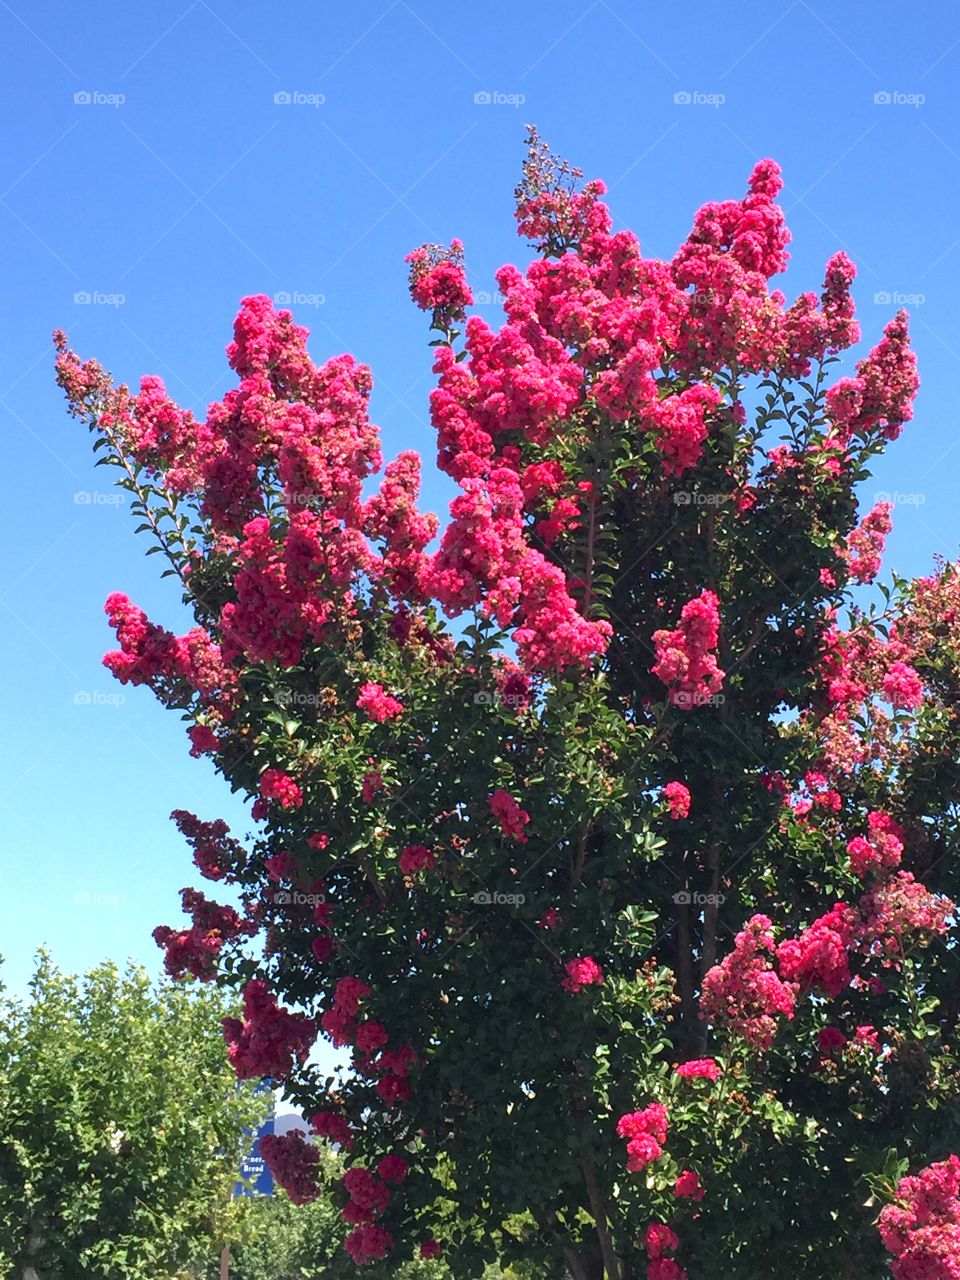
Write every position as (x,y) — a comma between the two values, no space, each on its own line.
(368,1243)
(865,544)
(416,857)
(921,1228)
(902,687)
(269,1039)
(437,280)
(705,1068)
(882,848)
(819,957)
(677,797)
(392,1168)
(665,1269)
(279,786)
(687,1186)
(743,991)
(646,1133)
(378,704)
(511,817)
(335,1127)
(685,661)
(829,1039)
(659,1239)
(581,972)
(294,1163)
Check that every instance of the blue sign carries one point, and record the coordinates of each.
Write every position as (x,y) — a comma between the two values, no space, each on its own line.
(257,1178)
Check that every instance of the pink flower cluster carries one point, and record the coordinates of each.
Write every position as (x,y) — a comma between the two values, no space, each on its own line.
(895,912)
(829,1039)
(818,958)
(898,912)
(902,686)
(921,1229)
(685,661)
(368,1243)
(294,571)
(699,1068)
(733,249)
(391,517)
(269,1039)
(370,1037)
(512,819)
(279,786)
(581,971)
(340,1021)
(378,704)
(484,560)
(438,282)
(334,1127)
(293,1162)
(393,1169)
(369,1196)
(416,857)
(677,797)
(176,668)
(659,1241)
(687,1186)
(882,847)
(196,950)
(743,991)
(217,855)
(864,551)
(343,1024)
(680,425)
(879,399)
(646,1133)
(393,1067)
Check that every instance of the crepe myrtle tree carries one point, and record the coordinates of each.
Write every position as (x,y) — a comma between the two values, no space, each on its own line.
(610,832)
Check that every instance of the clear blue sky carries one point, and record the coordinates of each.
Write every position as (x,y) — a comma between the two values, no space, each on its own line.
(199,188)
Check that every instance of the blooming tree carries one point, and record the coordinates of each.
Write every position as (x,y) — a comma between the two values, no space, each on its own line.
(612,836)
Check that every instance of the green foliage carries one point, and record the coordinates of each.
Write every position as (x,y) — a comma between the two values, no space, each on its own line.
(121,1125)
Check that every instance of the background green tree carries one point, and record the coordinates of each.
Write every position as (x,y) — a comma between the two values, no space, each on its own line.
(121,1125)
